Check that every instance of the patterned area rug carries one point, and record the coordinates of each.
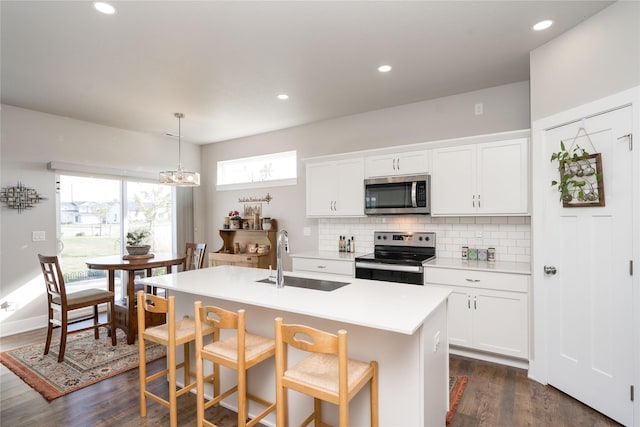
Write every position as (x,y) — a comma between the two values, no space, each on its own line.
(457,384)
(86,362)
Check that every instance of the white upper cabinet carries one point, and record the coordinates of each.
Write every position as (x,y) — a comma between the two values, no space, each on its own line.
(481,179)
(335,188)
(407,163)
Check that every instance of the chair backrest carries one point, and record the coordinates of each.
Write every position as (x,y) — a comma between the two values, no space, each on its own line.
(310,339)
(220,318)
(155,304)
(53,278)
(195,255)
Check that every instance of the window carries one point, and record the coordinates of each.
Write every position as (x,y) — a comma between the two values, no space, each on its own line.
(93,220)
(259,171)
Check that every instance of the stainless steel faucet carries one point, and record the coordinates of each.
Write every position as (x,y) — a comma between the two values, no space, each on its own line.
(283,239)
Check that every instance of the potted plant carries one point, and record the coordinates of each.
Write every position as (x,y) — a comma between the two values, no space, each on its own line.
(578,177)
(136,242)
(235,219)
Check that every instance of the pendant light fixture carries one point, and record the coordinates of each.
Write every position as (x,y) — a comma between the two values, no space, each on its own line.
(179,177)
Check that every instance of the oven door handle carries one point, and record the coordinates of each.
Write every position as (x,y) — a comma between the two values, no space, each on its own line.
(389,267)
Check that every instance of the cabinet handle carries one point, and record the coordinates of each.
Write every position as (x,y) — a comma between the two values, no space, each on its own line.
(473,201)
(472,280)
(394,164)
(321,266)
(398,163)
(478,200)
(469,303)
(475,307)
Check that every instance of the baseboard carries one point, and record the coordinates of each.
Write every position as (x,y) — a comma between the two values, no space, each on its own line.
(490,357)
(23,325)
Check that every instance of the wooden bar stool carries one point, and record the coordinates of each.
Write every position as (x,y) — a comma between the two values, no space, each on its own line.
(239,352)
(326,374)
(171,334)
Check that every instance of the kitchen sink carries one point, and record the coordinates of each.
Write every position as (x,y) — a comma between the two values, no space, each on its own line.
(302,282)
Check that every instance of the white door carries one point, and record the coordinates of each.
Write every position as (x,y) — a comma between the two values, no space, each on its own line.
(589,299)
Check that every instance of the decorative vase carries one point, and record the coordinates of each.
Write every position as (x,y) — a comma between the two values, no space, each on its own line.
(235,223)
(225,223)
(266,223)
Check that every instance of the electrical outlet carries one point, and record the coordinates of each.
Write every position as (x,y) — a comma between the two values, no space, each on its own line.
(436,342)
(38,236)
(479,109)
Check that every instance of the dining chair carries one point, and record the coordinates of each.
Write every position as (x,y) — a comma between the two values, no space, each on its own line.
(195,253)
(58,300)
(239,352)
(325,374)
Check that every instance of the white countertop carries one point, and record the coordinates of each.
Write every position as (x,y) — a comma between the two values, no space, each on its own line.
(497,266)
(387,306)
(333,255)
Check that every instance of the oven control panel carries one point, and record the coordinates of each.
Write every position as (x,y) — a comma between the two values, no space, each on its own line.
(405,238)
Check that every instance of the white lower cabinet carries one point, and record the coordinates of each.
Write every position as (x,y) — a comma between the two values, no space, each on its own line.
(329,266)
(487,311)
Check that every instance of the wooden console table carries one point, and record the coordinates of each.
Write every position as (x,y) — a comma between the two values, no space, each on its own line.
(126,316)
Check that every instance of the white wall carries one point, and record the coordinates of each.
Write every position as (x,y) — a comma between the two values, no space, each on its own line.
(597,58)
(506,108)
(29,140)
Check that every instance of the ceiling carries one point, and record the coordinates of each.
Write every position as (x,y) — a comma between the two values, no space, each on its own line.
(223,63)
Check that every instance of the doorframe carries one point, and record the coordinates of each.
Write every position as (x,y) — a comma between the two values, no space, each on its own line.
(539,357)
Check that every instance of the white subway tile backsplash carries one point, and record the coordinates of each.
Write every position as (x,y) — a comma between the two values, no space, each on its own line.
(515,235)
(510,236)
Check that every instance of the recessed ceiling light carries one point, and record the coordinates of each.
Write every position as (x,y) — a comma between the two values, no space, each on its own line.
(543,25)
(283,96)
(105,8)
(384,68)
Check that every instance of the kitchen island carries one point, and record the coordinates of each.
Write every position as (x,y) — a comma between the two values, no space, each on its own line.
(403,327)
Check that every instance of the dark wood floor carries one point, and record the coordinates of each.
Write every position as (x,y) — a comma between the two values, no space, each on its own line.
(495,396)
(501,396)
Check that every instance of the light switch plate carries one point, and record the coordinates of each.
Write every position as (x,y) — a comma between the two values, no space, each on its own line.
(38,236)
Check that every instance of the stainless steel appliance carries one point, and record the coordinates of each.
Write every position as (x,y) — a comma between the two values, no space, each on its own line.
(408,194)
(398,257)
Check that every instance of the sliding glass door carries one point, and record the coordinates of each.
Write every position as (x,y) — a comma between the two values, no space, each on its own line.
(93,221)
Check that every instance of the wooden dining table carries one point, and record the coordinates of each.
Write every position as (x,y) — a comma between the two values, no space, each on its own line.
(126,316)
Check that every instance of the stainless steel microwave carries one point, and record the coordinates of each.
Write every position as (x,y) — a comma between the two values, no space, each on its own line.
(408,194)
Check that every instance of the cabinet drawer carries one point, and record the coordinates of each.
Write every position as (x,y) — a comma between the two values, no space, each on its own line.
(330,266)
(233,259)
(477,279)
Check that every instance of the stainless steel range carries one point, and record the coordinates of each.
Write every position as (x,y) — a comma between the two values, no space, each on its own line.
(398,257)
